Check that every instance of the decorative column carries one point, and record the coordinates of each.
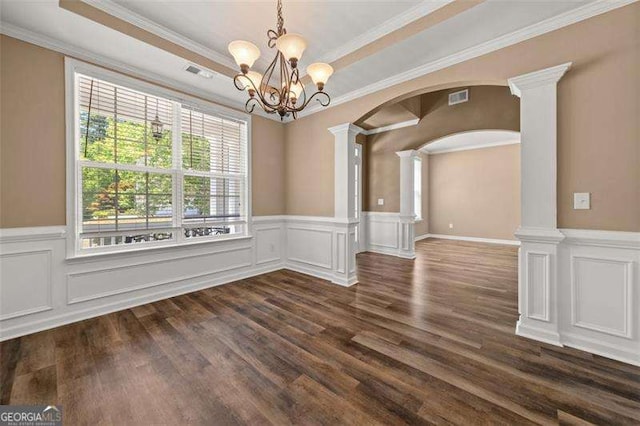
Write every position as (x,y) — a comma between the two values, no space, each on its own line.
(344,236)
(406,233)
(538,233)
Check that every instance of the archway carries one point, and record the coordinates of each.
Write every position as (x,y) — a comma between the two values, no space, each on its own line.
(538,233)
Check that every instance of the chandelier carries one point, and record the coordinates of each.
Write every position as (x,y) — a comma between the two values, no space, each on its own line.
(279,90)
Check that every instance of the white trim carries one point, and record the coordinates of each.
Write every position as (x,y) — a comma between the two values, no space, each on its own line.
(75,52)
(595,238)
(421,237)
(390,127)
(472,239)
(421,10)
(36,233)
(133,18)
(539,78)
(568,18)
(471,148)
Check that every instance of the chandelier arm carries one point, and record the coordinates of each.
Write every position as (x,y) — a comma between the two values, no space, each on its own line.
(262,93)
(315,95)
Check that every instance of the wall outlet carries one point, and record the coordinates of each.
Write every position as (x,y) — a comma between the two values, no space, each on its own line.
(381,201)
(581,201)
(451,226)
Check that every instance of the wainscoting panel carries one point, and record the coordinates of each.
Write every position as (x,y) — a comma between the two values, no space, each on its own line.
(26,283)
(310,246)
(601,295)
(537,285)
(269,244)
(116,279)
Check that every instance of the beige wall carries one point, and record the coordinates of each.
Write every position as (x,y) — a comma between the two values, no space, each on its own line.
(489,107)
(32,135)
(267,172)
(598,110)
(32,142)
(478,191)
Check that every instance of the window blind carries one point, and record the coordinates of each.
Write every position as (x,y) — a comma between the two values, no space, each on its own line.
(187,182)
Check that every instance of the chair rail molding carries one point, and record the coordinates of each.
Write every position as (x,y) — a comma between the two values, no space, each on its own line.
(538,255)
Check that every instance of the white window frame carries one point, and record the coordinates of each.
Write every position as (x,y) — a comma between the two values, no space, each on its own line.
(73,175)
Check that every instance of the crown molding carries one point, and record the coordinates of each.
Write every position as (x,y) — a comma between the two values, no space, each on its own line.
(97,59)
(424,8)
(118,11)
(395,126)
(579,14)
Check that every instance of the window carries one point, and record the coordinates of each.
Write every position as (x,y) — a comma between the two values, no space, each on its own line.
(417,188)
(140,186)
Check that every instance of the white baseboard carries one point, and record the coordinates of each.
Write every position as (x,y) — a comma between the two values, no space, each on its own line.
(422,237)
(538,334)
(472,239)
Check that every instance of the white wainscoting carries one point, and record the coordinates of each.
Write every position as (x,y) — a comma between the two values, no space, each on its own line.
(600,293)
(388,233)
(40,289)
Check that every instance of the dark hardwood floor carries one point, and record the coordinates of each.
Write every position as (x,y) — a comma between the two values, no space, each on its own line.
(424,341)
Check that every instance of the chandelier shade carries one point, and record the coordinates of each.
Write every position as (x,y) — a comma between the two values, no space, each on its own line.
(291,46)
(280,89)
(244,53)
(320,73)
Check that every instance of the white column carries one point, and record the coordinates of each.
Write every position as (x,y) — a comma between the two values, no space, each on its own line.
(406,247)
(538,233)
(344,258)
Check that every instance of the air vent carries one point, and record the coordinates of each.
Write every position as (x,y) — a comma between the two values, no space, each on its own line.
(193,70)
(199,71)
(459,97)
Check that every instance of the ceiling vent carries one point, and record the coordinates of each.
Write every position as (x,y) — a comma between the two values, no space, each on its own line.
(459,97)
(199,71)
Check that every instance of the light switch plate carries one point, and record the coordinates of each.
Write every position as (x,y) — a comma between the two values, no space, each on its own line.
(381,201)
(581,201)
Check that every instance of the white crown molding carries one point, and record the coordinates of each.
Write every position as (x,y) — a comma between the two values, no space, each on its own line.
(390,127)
(467,148)
(421,10)
(579,14)
(109,63)
(118,11)
(537,78)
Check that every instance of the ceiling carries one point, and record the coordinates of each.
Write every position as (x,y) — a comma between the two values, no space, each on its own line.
(333,29)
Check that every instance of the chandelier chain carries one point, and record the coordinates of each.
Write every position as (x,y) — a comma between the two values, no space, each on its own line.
(280,19)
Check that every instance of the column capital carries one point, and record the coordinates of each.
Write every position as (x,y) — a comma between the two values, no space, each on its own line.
(346,128)
(537,78)
(408,153)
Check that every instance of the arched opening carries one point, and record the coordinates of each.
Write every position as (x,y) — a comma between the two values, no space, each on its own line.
(538,295)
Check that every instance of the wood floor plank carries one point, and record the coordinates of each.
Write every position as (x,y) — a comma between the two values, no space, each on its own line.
(424,341)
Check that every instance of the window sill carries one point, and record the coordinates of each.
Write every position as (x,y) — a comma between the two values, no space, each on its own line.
(140,251)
